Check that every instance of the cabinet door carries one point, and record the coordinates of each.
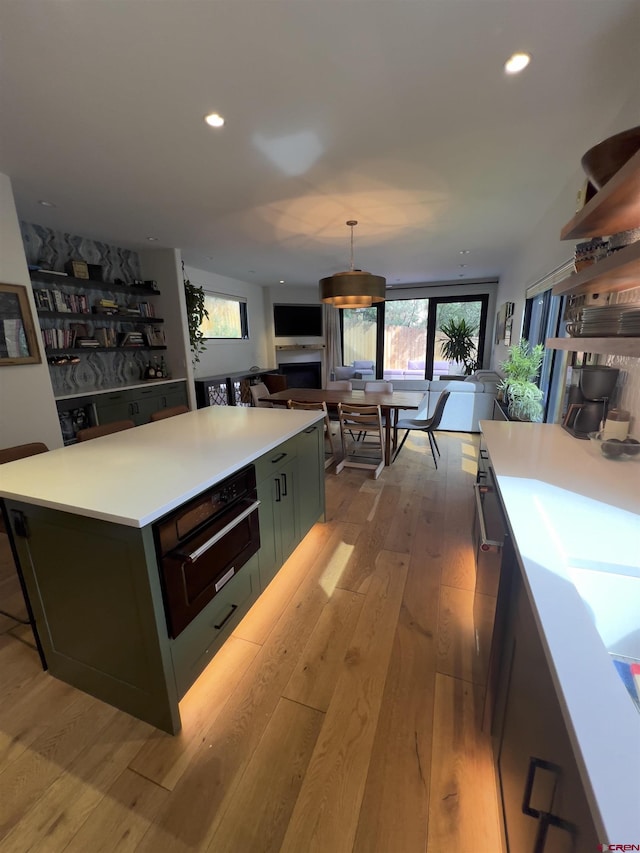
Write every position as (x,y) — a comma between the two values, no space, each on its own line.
(114,407)
(285,514)
(544,805)
(173,395)
(268,556)
(310,481)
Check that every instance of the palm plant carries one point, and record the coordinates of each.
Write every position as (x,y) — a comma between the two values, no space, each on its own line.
(458,345)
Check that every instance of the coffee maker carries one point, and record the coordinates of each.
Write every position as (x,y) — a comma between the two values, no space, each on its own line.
(589,400)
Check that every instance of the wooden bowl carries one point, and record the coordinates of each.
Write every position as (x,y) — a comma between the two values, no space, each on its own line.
(601,162)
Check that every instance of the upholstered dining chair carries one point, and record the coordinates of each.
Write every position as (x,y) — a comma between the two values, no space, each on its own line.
(169,412)
(339,385)
(88,433)
(366,421)
(260,390)
(428,425)
(379,385)
(329,450)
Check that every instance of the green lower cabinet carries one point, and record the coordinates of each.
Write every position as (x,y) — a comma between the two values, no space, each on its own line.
(278,518)
(310,481)
(194,647)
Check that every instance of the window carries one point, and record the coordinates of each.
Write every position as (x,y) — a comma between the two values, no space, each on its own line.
(227,317)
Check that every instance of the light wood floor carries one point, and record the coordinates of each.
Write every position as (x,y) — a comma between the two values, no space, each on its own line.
(343,714)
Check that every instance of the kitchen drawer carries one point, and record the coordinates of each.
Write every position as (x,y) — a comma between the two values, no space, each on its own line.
(271,462)
(192,650)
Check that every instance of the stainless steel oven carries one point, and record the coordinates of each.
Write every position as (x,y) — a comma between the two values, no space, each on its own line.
(202,545)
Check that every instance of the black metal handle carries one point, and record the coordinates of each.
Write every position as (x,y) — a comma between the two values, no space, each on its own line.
(227,617)
(278,458)
(284,485)
(546,819)
(534,764)
(309,430)
(278,492)
(484,454)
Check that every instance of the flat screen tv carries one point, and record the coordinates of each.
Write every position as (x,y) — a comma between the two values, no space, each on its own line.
(290,321)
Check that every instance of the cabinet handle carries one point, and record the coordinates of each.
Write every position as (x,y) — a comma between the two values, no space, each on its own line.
(284,485)
(278,492)
(309,430)
(484,454)
(546,819)
(234,607)
(278,458)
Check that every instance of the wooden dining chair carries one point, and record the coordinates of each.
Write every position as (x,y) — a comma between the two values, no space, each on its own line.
(275,382)
(169,412)
(330,455)
(366,421)
(88,433)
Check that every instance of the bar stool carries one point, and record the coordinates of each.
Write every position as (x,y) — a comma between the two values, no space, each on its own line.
(170,412)
(88,433)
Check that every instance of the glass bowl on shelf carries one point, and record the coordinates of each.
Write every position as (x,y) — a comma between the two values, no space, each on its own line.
(614,448)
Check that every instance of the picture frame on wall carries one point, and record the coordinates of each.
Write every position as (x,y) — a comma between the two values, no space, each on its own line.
(18,338)
(504,322)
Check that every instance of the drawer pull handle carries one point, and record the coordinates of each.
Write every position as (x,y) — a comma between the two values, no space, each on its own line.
(278,490)
(546,819)
(234,607)
(278,458)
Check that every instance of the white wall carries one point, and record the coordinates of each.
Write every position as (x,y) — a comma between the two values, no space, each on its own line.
(227,356)
(27,407)
(165,267)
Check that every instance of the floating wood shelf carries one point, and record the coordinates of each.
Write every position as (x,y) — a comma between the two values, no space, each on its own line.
(614,208)
(619,271)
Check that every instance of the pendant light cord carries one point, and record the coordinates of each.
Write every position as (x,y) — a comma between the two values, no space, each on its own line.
(351,223)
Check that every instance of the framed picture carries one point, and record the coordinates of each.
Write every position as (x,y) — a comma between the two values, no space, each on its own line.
(18,340)
(504,322)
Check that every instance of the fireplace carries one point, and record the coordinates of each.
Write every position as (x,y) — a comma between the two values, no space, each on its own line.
(302,374)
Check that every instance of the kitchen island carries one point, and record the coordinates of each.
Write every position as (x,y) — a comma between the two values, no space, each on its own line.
(574,520)
(83,523)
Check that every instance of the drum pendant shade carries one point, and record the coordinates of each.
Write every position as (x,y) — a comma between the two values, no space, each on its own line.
(353,288)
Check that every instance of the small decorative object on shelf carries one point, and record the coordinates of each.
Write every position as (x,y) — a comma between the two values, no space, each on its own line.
(78,269)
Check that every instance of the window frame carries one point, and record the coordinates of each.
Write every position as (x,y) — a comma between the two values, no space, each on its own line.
(241,302)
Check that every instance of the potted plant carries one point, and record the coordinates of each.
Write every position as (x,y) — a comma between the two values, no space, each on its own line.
(522,395)
(458,345)
(196,313)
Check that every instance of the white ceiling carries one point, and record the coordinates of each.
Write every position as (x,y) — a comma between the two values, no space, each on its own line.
(396,113)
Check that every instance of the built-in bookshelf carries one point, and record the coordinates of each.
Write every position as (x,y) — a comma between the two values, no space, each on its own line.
(82,315)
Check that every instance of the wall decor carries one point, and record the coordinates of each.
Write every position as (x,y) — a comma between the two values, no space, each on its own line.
(18,340)
(504,322)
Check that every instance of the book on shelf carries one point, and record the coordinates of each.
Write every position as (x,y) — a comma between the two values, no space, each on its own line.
(155,336)
(131,339)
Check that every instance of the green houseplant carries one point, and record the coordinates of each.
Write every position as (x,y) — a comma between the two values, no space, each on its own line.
(196,313)
(458,345)
(522,395)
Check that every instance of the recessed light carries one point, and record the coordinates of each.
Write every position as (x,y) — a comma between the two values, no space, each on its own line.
(463,265)
(46,203)
(517,63)
(152,239)
(214,120)
(464,251)
(281,281)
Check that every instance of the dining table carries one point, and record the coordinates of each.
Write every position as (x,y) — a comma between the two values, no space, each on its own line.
(390,402)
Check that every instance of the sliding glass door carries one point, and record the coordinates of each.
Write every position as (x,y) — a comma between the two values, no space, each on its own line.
(402,337)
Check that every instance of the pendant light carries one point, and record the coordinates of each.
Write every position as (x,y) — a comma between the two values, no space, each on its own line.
(354,288)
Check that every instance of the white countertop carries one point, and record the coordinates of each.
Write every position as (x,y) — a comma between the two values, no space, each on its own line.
(568,506)
(134,477)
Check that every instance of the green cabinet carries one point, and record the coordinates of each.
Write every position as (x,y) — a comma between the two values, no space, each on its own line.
(138,404)
(277,513)
(310,485)
(543,799)
(291,494)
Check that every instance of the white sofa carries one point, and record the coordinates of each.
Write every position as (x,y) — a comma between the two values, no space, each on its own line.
(470,400)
